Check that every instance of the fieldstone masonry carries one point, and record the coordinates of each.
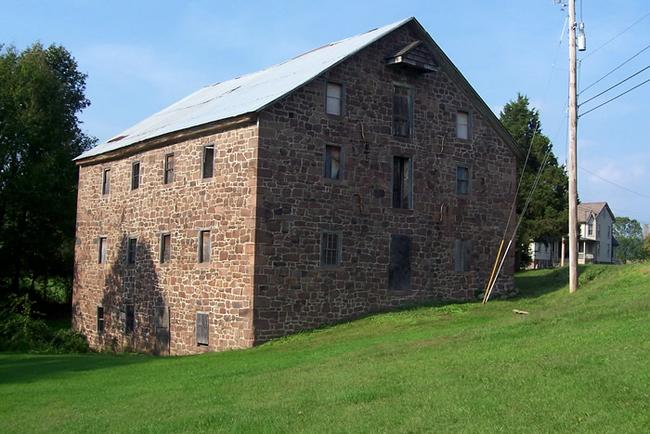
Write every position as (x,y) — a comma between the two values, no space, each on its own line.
(268,203)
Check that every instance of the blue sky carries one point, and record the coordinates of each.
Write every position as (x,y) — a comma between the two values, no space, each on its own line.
(140,56)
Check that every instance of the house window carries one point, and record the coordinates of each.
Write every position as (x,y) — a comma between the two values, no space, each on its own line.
(165,248)
(334,103)
(402,182)
(169,169)
(135,175)
(202,329)
(462,180)
(208,161)
(332,162)
(462,255)
(130,250)
(204,246)
(399,269)
(106,181)
(100,320)
(102,250)
(330,248)
(462,125)
(129,320)
(402,112)
(590,229)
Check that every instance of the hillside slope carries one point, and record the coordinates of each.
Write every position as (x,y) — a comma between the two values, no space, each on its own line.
(577,363)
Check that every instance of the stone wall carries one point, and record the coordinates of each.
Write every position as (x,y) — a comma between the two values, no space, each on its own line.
(225,204)
(292,291)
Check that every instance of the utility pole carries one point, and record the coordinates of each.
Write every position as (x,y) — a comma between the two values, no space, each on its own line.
(573,152)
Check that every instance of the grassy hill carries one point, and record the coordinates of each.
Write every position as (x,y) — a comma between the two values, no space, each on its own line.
(577,363)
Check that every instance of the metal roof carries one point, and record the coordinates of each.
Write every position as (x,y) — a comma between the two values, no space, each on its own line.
(246,94)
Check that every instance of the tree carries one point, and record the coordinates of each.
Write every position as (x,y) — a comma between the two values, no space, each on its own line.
(547,214)
(629,235)
(41,95)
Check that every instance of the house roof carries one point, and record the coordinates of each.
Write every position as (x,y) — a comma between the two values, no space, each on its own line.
(595,208)
(253,92)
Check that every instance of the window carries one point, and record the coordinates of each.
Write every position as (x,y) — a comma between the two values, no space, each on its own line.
(129,320)
(332,162)
(402,182)
(135,175)
(399,269)
(102,250)
(106,181)
(462,125)
(202,328)
(330,248)
(100,320)
(462,180)
(462,255)
(590,228)
(334,103)
(581,247)
(131,247)
(402,112)
(169,169)
(204,246)
(165,248)
(208,161)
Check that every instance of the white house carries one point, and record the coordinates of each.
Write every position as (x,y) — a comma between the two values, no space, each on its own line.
(546,254)
(596,242)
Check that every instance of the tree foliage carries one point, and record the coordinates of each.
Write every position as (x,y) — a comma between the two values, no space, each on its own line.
(547,214)
(629,235)
(41,96)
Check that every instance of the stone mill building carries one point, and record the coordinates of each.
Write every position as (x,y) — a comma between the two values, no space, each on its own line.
(357,177)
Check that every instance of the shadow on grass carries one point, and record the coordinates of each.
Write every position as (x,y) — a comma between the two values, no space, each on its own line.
(27,368)
(535,283)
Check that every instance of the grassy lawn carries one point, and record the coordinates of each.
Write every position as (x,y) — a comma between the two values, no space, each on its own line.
(577,363)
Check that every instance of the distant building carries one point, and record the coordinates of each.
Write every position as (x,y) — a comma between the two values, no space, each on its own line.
(646,231)
(596,243)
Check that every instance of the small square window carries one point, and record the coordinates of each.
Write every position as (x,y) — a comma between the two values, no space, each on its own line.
(204,246)
(135,175)
(330,248)
(129,321)
(106,181)
(334,104)
(100,320)
(169,169)
(332,162)
(102,248)
(462,125)
(132,246)
(208,162)
(165,248)
(402,182)
(462,180)
(402,111)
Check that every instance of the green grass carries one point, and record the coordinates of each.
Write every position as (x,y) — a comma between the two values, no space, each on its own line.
(577,363)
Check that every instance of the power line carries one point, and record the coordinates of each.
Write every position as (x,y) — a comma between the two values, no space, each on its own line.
(615,184)
(618,35)
(616,85)
(616,97)
(615,69)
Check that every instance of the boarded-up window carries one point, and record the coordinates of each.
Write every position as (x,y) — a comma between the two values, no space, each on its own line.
(462,125)
(131,249)
(402,182)
(462,255)
(330,248)
(102,250)
(100,320)
(208,161)
(402,111)
(162,330)
(462,180)
(399,271)
(334,103)
(332,162)
(129,319)
(204,246)
(106,181)
(202,329)
(168,176)
(135,175)
(165,247)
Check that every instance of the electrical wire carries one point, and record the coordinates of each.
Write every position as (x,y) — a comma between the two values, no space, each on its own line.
(614,86)
(617,35)
(614,184)
(614,69)
(616,97)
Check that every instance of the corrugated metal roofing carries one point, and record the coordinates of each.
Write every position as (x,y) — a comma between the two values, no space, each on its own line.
(245,94)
